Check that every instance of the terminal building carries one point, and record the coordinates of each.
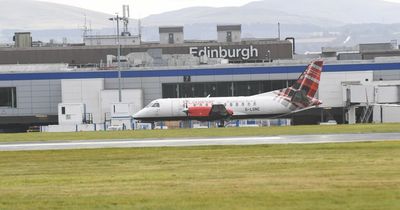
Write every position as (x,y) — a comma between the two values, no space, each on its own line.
(64,91)
(172,48)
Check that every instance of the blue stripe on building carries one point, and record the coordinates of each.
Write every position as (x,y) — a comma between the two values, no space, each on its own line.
(195,72)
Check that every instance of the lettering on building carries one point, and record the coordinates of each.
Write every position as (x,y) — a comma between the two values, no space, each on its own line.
(220,52)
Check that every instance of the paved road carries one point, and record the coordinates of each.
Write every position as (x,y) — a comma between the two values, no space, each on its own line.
(130,143)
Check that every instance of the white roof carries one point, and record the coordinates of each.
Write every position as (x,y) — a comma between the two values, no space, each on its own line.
(34,68)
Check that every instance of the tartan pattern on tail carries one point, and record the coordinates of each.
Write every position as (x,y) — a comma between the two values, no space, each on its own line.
(301,94)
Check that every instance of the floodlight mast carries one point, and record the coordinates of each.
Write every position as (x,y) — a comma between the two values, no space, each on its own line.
(117,18)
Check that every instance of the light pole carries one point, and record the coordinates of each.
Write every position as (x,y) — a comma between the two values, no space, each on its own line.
(269,56)
(117,18)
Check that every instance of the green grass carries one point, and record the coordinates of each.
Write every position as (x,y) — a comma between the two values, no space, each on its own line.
(279,177)
(214,132)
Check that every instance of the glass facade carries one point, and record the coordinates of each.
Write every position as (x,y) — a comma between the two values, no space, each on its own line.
(8,97)
(222,89)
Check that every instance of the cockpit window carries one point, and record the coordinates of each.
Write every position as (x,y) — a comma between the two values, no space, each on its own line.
(156,105)
(149,105)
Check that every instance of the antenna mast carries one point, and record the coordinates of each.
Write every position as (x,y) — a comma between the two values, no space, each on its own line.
(125,19)
(140,29)
(85,28)
(279,30)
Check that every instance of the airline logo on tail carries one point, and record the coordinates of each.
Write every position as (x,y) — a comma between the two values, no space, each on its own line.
(301,94)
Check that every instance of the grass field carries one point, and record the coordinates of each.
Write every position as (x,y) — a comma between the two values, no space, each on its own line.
(279,177)
(214,132)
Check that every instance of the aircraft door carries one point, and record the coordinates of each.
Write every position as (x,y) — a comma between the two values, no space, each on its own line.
(177,107)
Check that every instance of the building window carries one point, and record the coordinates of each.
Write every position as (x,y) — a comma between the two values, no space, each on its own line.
(8,97)
(210,89)
(171,38)
(222,89)
(191,90)
(229,36)
(187,79)
(170,90)
(279,84)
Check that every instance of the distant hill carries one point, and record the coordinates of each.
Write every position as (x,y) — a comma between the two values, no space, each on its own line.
(245,15)
(311,12)
(314,23)
(36,15)
(30,14)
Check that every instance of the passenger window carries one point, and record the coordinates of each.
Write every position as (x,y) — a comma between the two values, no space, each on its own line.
(237,104)
(242,103)
(231,104)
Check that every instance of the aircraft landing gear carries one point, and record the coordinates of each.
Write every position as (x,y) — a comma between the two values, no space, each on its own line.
(221,124)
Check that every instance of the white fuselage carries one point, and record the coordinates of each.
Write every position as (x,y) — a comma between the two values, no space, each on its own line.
(258,105)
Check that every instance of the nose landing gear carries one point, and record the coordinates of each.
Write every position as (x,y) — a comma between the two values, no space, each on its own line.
(221,124)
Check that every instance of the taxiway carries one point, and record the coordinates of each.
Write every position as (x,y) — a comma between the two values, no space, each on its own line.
(132,143)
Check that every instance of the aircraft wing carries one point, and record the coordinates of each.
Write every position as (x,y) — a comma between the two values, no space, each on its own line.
(215,112)
(219,111)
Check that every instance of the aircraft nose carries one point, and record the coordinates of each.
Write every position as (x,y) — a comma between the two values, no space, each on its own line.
(139,114)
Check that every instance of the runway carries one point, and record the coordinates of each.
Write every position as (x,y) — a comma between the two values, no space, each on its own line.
(132,143)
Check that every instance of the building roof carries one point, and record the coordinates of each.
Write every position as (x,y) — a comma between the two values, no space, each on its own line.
(229,27)
(171,29)
(22,32)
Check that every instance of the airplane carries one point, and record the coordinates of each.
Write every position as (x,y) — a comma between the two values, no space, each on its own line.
(274,104)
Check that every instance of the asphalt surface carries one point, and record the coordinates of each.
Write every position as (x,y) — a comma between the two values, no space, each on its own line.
(132,143)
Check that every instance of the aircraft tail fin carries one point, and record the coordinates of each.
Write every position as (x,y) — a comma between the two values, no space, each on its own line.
(304,89)
(308,82)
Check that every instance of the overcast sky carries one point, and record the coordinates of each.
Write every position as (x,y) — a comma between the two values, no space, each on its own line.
(143,8)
